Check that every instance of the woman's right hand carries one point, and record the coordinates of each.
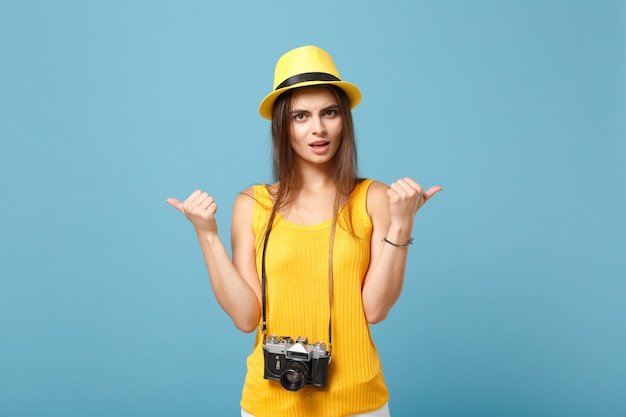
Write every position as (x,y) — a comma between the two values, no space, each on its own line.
(200,209)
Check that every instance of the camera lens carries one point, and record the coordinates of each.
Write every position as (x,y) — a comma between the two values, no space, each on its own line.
(295,375)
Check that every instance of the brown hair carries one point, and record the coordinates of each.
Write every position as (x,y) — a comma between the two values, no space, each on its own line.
(344,162)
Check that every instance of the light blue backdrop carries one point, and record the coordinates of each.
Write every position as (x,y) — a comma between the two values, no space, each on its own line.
(515,295)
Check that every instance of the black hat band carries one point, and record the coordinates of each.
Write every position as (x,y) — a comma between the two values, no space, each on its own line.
(307,76)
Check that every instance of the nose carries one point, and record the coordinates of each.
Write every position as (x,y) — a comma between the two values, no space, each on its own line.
(318,127)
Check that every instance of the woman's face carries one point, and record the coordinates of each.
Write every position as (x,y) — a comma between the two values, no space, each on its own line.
(315,125)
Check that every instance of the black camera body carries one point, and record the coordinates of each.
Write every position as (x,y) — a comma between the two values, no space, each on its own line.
(297,363)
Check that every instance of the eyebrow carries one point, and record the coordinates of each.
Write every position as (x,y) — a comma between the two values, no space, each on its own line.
(331,107)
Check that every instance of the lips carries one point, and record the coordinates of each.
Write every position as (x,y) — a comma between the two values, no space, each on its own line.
(319,144)
(319,147)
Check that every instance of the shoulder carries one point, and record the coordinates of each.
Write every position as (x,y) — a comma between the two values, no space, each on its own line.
(260,194)
(254,193)
(377,187)
(369,188)
(246,196)
(244,203)
(376,192)
(377,199)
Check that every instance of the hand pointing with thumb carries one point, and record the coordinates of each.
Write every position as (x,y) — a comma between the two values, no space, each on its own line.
(199,208)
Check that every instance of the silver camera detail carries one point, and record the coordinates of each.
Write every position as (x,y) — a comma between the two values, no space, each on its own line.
(296,363)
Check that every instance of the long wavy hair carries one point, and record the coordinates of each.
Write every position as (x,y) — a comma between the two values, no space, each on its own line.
(344,162)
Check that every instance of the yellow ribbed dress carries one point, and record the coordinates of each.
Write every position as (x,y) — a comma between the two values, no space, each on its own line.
(298,305)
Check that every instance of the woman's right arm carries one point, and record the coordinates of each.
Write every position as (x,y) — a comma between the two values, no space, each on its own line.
(235,282)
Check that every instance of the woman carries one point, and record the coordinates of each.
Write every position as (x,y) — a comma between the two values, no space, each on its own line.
(319,254)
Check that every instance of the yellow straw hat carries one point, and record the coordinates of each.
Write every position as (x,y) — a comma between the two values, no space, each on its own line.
(305,66)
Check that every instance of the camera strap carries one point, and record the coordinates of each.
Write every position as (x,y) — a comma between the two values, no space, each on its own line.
(263,280)
(330,281)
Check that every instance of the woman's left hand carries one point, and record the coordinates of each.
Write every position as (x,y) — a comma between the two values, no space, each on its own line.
(406,197)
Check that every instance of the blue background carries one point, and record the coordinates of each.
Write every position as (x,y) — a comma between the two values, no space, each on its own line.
(515,294)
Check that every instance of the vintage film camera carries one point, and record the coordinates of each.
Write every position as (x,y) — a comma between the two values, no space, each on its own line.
(297,363)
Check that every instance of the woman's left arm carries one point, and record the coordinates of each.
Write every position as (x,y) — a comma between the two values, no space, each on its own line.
(392,210)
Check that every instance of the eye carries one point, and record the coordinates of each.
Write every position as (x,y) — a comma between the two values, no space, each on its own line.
(331,113)
(298,116)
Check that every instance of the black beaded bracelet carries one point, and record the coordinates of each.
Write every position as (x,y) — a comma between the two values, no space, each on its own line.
(410,242)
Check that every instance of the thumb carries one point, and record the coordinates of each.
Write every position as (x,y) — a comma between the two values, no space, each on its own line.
(176,204)
(431,192)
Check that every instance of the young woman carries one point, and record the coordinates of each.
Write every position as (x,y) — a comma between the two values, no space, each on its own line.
(317,256)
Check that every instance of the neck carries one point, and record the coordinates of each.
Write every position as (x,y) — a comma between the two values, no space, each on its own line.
(315,177)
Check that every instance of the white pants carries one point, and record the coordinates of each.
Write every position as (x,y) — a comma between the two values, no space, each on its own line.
(381,412)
